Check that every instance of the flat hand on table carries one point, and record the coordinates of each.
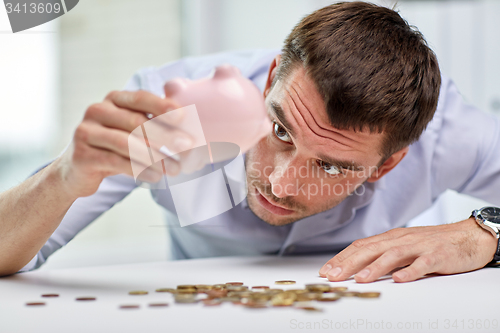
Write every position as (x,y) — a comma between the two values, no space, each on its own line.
(445,249)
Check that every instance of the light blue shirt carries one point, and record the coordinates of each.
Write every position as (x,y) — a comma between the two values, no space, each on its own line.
(459,150)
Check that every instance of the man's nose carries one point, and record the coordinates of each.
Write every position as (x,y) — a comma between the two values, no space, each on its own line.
(284,178)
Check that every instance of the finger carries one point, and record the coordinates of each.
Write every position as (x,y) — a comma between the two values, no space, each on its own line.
(359,244)
(111,116)
(423,265)
(357,260)
(143,101)
(113,164)
(116,141)
(395,257)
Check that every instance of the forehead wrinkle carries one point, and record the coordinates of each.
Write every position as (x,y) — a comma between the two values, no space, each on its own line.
(321,129)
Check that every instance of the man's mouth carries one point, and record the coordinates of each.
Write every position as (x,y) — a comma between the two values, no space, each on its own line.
(271,207)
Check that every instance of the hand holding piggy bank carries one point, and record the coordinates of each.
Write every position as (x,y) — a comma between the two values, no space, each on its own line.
(220,117)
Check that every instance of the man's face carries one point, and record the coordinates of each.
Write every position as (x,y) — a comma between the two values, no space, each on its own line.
(305,165)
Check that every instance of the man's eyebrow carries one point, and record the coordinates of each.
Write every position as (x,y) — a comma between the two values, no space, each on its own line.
(280,114)
(347,165)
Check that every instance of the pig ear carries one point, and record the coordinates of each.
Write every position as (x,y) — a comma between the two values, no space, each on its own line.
(174,86)
(265,128)
(225,71)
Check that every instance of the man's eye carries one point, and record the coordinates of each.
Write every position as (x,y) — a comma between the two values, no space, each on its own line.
(330,169)
(281,133)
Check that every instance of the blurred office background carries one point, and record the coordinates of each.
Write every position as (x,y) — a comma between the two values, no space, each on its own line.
(50,74)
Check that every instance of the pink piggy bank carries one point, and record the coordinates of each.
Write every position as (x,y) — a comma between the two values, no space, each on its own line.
(229,106)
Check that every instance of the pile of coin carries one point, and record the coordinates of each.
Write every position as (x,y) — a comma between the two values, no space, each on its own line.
(262,296)
(256,297)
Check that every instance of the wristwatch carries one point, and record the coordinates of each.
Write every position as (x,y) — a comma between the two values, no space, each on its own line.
(489,219)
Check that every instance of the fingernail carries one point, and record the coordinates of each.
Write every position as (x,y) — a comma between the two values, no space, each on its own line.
(182,143)
(325,269)
(363,274)
(401,275)
(335,272)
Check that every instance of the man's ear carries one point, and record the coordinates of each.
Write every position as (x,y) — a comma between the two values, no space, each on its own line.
(272,74)
(388,165)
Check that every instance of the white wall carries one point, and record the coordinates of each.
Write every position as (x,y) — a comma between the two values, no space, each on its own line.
(102,44)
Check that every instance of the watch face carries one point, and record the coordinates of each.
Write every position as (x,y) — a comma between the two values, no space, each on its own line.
(491,214)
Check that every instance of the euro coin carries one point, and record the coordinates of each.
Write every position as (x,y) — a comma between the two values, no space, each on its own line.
(50,295)
(85,298)
(35,304)
(336,289)
(185,298)
(328,297)
(308,296)
(166,290)
(349,293)
(283,299)
(186,286)
(285,282)
(322,287)
(234,283)
(369,294)
(260,287)
(138,292)
(310,308)
(129,306)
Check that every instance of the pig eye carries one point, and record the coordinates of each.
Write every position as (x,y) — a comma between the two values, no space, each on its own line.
(281,133)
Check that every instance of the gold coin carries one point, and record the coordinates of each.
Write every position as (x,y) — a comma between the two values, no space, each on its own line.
(297,291)
(283,299)
(35,303)
(50,295)
(203,287)
(186,291)
(218,286)
(260,287)
(328,297)
(138,292)
(85,298)
(322,287)
(310,308)
(274,291)
(369,294)
(234,283)
(335,289)
(186,286)
(308,296)
(129,306)
(236,288)
(166,290)
(349,293)
(285,282)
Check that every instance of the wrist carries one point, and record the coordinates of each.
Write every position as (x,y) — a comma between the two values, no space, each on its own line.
(54,177)
(487,241)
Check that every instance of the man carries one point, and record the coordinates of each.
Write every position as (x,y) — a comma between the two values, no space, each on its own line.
(349,96)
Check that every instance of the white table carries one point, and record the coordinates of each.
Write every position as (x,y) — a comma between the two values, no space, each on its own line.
(463,303)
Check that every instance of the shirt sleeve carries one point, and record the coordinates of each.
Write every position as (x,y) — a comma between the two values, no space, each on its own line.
(467,154)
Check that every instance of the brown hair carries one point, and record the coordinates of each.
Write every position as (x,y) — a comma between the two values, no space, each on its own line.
(372,69)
